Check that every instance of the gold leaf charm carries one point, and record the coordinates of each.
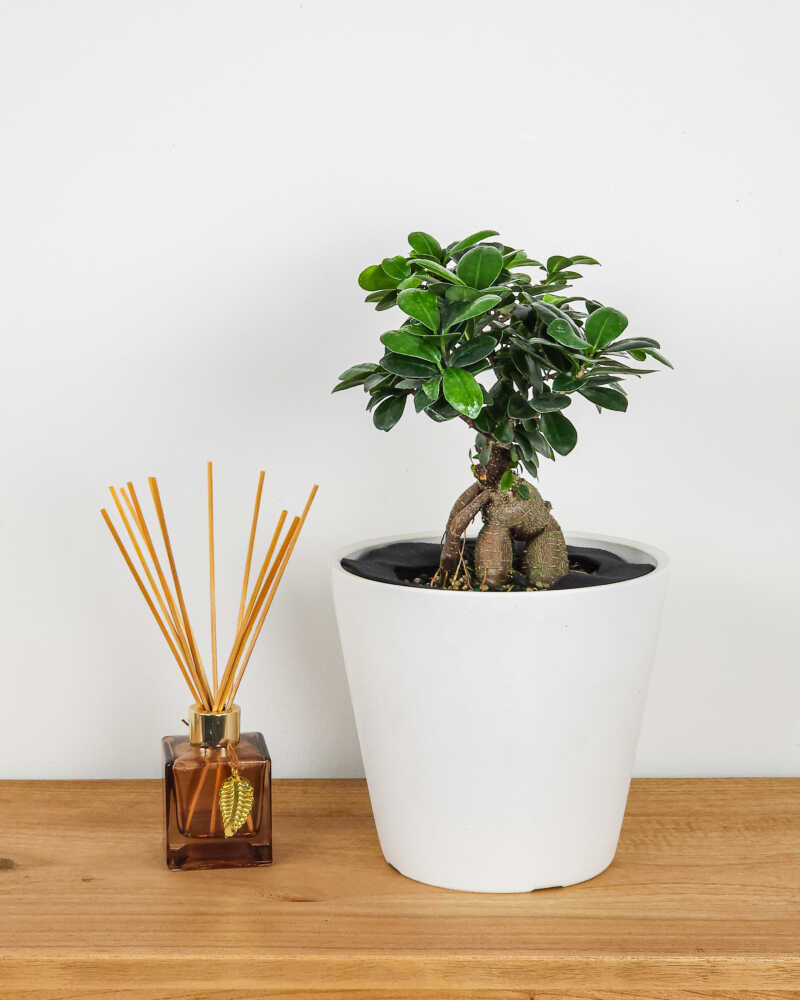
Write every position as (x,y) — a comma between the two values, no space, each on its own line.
(235,802)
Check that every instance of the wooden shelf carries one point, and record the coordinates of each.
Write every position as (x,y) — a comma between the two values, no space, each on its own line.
(702,901)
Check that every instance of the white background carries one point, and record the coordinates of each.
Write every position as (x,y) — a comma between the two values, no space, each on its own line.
(187,192)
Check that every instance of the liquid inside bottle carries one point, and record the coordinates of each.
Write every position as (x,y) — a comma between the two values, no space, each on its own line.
(217,795)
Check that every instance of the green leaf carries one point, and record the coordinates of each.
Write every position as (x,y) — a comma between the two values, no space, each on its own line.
(537,439)
(431,388)
(376,398)
(531,466)
(474,350)
(437,269)
(462,293)
(604,326)
(507,480)
(475,308)
(583,259)
(387,301)
(349,383)
(367,368)
(396,267)
(562,331)
(518,407)
(389,412)
(470,241)
(414,281)
(659,357)
(374,278)
(524,490)
(556,263)
(379,380)
(550,402)
(400,342)
(425,244)
(421,400)
(480,266)
(440,411)
(559,431)
(609,399)
(566,383)
(462,392)
(407,367)
(631,344)
(420,304)
(504,432)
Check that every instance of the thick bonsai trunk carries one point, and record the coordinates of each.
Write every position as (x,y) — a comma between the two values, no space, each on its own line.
(506,516)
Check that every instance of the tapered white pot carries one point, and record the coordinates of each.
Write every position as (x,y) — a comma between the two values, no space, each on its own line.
(498,730)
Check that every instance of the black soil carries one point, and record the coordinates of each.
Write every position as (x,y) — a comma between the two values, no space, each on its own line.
(414,564)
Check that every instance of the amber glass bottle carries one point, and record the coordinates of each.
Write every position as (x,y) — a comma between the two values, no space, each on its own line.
(217,794)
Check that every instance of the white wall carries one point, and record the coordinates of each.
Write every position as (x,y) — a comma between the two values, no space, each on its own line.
(188,191)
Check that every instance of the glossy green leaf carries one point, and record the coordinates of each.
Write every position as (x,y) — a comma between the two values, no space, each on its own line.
(609,399)
(420,304)
(378,380)
(524,490)
(349,383)
(462,392)
(414,281)
(440,411)
(462,293)
(389,412)
(562,331)
(559,431)
(507,480)
(631,344)
(504,432)
(376,398)
(479,306)
(431,388)
(425,243)
(421,400)
(604,326)
(470,241)
(473,351)
(549,402)
(438,269)
(659,357)
(557,262)
(374,278)
(367,368)
(408,367)
(583,259)
(480,266)
(396,267)
(518,407)
(387,301)
(400,342)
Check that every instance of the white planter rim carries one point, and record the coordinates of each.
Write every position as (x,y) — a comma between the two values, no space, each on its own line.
(639,552)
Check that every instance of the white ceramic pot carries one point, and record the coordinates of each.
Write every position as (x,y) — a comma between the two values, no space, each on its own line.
(498,730)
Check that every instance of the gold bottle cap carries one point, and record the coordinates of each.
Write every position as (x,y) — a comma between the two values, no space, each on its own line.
(214,729)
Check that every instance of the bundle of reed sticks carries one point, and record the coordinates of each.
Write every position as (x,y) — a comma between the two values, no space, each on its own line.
(168,606)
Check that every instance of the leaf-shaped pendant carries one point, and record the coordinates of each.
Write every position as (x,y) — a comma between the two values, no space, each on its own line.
(235,802)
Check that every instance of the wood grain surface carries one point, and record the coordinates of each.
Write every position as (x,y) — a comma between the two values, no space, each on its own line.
(702,902)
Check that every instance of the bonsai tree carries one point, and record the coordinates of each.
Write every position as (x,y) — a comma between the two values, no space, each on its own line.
(473,309)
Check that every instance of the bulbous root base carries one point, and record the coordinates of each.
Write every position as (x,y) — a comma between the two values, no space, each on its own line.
(506,516)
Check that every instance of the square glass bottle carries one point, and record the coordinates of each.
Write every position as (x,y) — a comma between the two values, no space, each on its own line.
(217,794)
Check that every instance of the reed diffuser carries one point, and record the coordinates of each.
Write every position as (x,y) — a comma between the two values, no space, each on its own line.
(217,780)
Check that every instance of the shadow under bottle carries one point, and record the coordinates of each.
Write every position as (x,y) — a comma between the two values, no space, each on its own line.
(217,794)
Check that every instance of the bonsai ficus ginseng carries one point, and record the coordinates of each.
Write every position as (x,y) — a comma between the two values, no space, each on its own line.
(472,309)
